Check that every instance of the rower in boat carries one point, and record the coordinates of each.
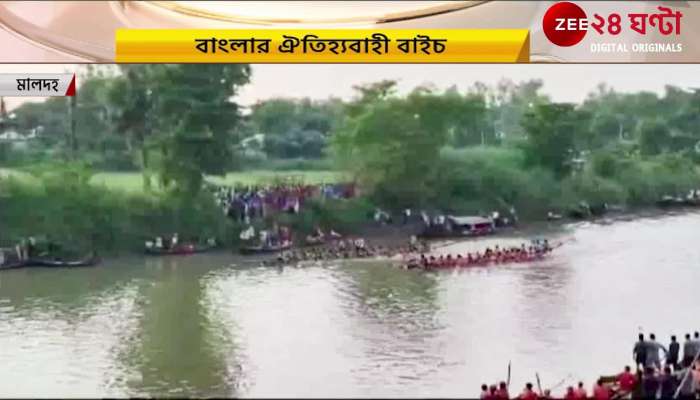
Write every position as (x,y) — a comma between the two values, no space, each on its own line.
(423,261)
(413,243)
(497,255)
(360,246)
(316,238)
(155,244)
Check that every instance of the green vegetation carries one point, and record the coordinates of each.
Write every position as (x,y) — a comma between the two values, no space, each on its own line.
(132,181)
(406,150)
(153,134)
(61,203)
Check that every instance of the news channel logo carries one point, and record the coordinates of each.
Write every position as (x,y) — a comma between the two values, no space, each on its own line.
(566,24)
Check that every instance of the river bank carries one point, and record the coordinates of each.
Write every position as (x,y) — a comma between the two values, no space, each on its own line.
(220,325)
(350,215)
(63,203)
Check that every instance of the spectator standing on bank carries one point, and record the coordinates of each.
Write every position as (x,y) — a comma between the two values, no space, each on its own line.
(640,351)
(674,349)
(653,348)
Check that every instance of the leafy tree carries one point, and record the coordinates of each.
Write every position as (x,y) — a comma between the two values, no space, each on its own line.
(609,108)
(607,128)
(654,136)
(131,99)
(510,101)
(296,128)
(196,120)
(275,116)
(368,94)
(393,144)
(180,117)
(606,163)
(47,119)
(470,125)
(551,130)
(686,114)
(93,126)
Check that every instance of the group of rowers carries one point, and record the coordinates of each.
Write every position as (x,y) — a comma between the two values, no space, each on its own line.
(412,255)
(497,255)
(676,377)
(350,248)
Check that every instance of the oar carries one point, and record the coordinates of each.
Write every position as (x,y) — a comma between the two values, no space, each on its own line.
(448,243)
(561,382)
(539,385)
(508,380)
(686,375)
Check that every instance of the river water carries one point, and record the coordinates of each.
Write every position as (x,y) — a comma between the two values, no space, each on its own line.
(202,326)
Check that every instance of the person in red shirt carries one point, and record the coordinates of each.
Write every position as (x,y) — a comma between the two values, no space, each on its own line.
(627,380)
(528,393)
(570,393)
(502,392)
(580,392)
(600,392)
(484,392)
(492,393)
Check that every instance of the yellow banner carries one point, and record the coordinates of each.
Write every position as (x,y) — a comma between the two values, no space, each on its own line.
(323,46)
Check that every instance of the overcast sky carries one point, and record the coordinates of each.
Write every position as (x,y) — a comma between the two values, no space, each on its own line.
(563,82)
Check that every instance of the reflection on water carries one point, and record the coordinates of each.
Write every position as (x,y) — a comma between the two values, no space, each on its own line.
(179,347)
(200,327)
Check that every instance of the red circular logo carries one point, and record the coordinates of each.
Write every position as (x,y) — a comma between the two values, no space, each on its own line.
(565,24)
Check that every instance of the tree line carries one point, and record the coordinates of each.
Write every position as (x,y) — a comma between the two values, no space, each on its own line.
(179,123)
(418,149)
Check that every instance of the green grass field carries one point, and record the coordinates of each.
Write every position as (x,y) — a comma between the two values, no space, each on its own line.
(132,181)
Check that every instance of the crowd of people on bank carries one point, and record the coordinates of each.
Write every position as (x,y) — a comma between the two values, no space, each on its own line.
(245,203)
(662,372)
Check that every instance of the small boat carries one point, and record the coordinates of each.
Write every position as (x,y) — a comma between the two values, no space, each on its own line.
(251,250)
(13,265)
(59,263)
(692,199)
(616,208)
(461,227)
(670,201)
(598,210)
(314,241)
(577,214)
(179,250)
(45,262)
(551,216)
(319,238)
